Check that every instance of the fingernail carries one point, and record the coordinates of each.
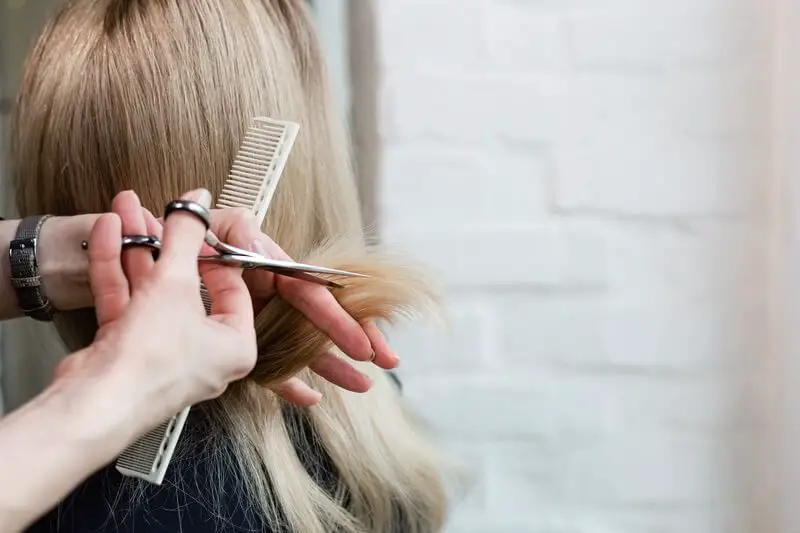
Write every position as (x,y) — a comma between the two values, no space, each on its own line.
(259,248)
(201,196)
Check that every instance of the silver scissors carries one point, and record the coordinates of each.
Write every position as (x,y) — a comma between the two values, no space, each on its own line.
(238,257)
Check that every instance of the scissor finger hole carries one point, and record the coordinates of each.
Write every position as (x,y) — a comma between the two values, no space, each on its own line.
(136,241)
(193,208)
(154,251)
(142,241)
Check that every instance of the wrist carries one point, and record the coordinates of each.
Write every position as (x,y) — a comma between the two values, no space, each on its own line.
(63,264)
(113,372)
(52,443)
(98,398)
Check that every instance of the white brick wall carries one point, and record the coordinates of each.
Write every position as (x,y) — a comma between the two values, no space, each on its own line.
(587,178)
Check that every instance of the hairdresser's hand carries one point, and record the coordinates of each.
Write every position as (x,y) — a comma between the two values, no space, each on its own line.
(240,228)
(152,326)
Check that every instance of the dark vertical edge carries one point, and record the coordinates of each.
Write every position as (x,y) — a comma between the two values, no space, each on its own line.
(364,81)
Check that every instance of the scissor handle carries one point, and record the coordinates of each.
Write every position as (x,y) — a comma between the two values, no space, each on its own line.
(129,241)
(148,241)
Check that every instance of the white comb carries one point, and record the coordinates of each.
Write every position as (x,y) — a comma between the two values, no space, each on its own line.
(251,184)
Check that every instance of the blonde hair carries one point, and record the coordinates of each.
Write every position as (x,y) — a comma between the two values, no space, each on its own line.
(155,96)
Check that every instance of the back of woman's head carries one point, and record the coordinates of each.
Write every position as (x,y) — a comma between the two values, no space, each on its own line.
(155,96)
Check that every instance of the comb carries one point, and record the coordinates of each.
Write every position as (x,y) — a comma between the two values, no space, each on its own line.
(251,184)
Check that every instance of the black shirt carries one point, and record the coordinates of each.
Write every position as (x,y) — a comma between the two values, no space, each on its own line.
(109,502)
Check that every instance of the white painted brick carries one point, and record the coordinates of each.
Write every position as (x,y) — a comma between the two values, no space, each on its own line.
(473,107)
(599,441)
(589,404)
(601,378)
(567,409)
(463,346)
(521,478)
(518,522)
(512,257)
(463,186)
(685,519)
(659,175)
(523,38)
(469,493)
(637,336)
(424,35)
(649,469)
(585,519)
(711,261)
(704,104)
(486,407)
(616,442)
(685,8)
(657,37)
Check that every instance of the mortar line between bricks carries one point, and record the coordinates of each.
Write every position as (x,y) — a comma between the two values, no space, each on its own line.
(678,221)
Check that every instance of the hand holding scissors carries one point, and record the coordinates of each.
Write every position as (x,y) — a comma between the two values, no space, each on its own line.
(359,341)
(233,256)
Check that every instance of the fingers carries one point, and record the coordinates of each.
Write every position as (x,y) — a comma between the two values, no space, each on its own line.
(228,291)
(184,234)
(320,307)
(341,373)
(241,228)
(384,355)
(106,276)
(315,302)
(229,295)
(154,226)
(296,391)
(137,262)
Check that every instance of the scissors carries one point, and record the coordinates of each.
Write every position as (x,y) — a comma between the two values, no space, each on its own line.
(233,256)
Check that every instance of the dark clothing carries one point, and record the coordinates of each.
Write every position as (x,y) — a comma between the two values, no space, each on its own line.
(108,502)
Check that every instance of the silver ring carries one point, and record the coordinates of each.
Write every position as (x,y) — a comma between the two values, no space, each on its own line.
(194,208)
(373,357)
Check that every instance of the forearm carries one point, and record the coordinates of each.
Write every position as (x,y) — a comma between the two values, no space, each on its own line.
(63,265)
(51,444)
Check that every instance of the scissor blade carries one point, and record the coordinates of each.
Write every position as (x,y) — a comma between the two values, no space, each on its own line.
(250,261)
(265,264)
(305,276)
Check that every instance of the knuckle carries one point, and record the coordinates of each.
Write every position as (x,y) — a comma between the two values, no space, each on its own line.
(236,225)
(217,390)
(244,363)
(242,215)
(245,223)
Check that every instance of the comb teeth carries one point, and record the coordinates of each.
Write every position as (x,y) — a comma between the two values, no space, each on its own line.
(258,165)
(149,457)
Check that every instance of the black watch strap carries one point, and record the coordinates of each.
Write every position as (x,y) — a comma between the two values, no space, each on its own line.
(25,276)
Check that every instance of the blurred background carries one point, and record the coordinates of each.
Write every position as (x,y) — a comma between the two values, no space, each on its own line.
(605,191)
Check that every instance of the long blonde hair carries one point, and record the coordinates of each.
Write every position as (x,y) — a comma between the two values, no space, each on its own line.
(155,96)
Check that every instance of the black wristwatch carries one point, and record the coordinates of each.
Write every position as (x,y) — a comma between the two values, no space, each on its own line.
(25,276)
